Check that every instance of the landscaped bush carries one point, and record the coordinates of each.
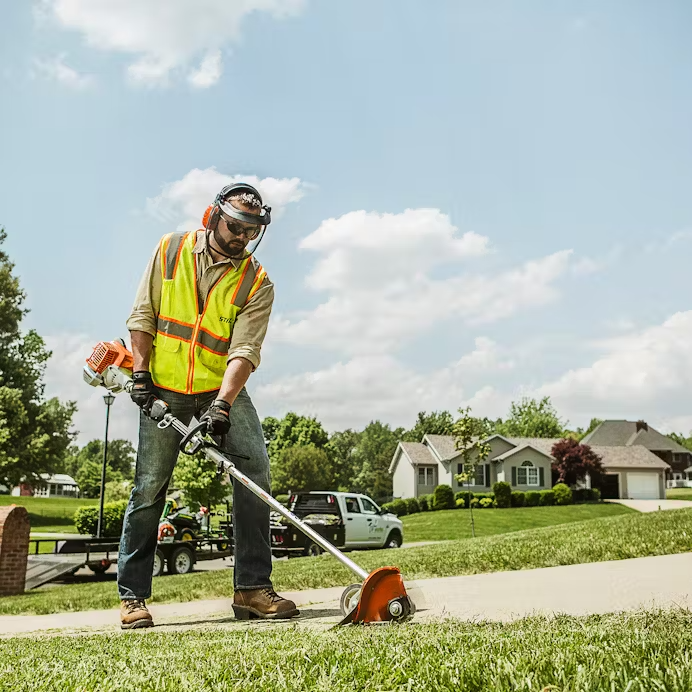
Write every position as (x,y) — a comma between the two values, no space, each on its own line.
(486,503)
(503,494)
(533,498)
(399,507)
(481,496)
(474,502)
(461,503)
(595,494)
(412,505)
(547,498)
(387,507)
(424,503)
(443,497)
(518,498)
(563,494)
(86,519)
(283,499)
(465,497)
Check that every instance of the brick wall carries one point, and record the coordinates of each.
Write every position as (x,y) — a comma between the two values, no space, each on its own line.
(14,549)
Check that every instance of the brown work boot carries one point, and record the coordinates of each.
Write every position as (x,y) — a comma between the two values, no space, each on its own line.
(262,603)
(134,614)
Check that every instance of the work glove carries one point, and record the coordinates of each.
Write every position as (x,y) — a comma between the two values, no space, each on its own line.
(143,390)
(216,418)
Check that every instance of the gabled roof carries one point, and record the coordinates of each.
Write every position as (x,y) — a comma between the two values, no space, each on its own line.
(416,453)
(542,444)
(624,433)
(443,446)
(634,456)
(518,450)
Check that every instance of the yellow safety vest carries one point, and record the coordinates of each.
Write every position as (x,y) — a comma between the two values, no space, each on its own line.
(192,339)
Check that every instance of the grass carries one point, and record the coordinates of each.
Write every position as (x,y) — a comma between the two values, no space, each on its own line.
(596,540)
(679,494)
(636,652)
(453,524)
(49,514)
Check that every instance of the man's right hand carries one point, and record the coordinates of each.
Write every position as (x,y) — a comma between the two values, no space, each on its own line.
(143,390)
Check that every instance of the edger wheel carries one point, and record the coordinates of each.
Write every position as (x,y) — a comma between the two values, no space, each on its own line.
(349,598)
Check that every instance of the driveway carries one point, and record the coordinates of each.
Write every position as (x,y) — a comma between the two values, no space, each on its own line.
(653,505)
(598,587)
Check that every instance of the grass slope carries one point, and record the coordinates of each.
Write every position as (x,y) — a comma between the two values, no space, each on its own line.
(48,513)
(453,524)
(679,494)
(615,538)
(645,651)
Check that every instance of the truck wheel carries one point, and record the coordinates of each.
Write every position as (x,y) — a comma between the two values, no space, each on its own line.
(393,540)
(181,561)
(158,564)
(313,550)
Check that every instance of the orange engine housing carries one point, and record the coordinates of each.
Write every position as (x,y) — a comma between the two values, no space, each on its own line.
(108,353)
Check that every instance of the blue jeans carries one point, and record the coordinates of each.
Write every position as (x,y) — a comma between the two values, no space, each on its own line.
(156,457)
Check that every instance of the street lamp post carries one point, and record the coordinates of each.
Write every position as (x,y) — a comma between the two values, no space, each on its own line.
(109,399)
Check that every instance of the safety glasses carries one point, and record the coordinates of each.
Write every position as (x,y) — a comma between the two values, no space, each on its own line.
(237,229)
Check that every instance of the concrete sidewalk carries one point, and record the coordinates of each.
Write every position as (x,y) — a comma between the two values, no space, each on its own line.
(599,587)
(653,505)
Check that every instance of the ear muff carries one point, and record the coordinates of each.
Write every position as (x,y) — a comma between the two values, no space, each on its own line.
(205,218)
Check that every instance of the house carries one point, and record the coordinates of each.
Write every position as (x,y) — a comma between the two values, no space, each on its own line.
(625,433)
(56,485)
(632,472)
(417,467)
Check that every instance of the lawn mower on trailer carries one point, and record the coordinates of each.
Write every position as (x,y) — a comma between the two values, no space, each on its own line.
(379,597)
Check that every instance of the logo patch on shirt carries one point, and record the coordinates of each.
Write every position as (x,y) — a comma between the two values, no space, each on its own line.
(227,320)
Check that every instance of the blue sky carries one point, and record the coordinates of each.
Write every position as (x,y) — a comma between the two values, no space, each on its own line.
(542,150)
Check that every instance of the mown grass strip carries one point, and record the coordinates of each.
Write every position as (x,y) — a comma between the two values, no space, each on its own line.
(616,538)
(644,651)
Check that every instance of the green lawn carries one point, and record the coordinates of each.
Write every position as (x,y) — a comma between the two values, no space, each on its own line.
(49,514)
(612,538)
(679,494)
(453,524)
(636,652)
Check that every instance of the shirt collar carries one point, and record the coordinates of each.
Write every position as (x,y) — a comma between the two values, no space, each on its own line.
(202,247)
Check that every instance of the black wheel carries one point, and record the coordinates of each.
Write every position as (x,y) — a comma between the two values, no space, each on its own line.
(98,567)
(393,540)
(313,550)
(158,564)
(181,561)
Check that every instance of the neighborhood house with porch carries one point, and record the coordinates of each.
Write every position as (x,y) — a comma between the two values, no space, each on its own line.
(636,465)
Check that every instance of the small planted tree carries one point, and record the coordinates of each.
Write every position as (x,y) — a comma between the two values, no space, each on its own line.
(573,461)
(469,439)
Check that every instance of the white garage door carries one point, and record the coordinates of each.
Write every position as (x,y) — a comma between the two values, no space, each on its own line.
(642,486)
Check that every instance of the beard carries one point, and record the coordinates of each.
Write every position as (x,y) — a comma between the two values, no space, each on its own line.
(232,249)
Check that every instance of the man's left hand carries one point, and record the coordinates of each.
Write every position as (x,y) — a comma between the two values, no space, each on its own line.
(217,418)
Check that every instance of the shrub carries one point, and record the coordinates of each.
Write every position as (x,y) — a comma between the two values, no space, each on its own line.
(547,498)
(518,498)
(563,494)
(481,496)
(412,505)
(474,502)
(533,498)
(486,503)
(283,499)
(503,494)
(387,507)
(443,497)
(463,497)
(595,494)
(424,502)
(86,519)
(460,503)
(399,507)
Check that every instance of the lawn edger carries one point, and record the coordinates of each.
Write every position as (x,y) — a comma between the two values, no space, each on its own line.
(381,597)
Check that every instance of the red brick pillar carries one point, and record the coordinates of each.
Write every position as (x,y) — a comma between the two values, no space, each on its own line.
(14,549)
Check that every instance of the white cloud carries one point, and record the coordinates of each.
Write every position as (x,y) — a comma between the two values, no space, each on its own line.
(643,374)
(209,71)
(381,387)
(56,70)
(64,380)
(669,242)
(184,201)
(164,35)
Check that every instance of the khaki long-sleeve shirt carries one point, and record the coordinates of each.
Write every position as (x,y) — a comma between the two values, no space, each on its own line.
(251,323)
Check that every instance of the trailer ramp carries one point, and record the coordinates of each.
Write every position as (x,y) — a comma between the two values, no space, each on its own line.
(41,569)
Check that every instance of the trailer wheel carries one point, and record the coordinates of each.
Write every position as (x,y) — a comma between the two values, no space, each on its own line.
(181,561)
(159,561)
(98,567)
(313,550)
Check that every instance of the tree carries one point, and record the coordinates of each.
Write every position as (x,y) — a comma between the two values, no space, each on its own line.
(435,423)
(34,432)
(470,439)
(196,478)
(574,460)
(88,477)
(686,442)
(120,463)
(302,467)
(292,430)
(593,424)
(341,449)
(531,418)
(372,456)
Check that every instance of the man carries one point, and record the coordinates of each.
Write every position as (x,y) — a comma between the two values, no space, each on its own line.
(197,326)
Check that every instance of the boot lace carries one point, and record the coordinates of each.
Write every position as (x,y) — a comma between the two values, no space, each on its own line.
(135,604)
(273,596)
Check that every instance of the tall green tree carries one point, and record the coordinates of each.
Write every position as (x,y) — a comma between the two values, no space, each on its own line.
(682,440)
(531,418)
(34,432)
(302,467)
(195,476)
(435,423)
(292,430)
(341,449)
(373,455)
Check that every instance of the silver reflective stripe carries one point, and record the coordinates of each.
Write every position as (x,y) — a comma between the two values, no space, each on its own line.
(172,253)
(212,343)
(169,328)
(246,285)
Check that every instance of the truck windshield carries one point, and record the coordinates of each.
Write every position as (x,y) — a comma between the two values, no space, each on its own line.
(303,504)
